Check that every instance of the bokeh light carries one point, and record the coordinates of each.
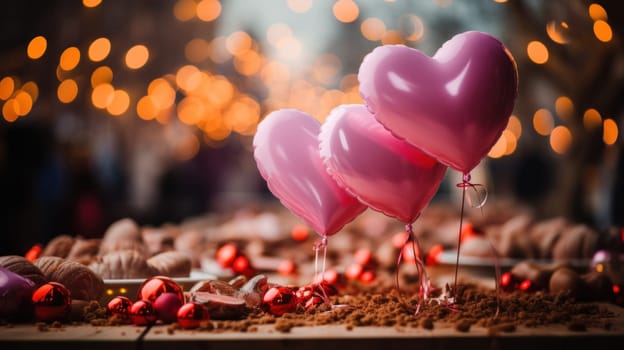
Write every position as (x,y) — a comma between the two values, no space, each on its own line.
(91,3)
(37,47)
(560,139)
(102,95)
(137,56)
(412,26)
(543,122)
(597,12)
(299,6)
(99,49)
(119,103)
(101,75)
(67,91)
(69,58)
(346,11)
(557,32)
(373,28)
(538,53)
(609,131)
(208,10)
(184,10)
(564,108)
(9,111)
(515,126)
(23,103)
(592,119)
(7,85)
(603,31)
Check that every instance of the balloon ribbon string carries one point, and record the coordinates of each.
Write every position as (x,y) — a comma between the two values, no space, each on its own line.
(320,277)
(464,185)
(423,278)
(459,238)
(497,273)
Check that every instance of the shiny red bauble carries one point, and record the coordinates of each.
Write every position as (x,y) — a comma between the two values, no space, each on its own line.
(191,315)
(120,307)
(153,287)
(280,300)
(142,313)
(51,302)
(166,307)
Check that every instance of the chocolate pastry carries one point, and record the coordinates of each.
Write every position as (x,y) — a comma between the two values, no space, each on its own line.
(84,250)
(123,234)
(81,281)
(171,263)
(122,264)
(59,246)
(23,267)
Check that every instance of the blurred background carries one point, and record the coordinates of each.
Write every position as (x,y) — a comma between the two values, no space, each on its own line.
(146,109)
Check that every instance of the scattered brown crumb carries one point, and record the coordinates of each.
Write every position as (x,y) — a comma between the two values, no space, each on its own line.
(577,327)
(427,323)
(42,326)
(463,326)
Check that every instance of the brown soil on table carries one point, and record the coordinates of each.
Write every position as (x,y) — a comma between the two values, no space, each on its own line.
(359,305)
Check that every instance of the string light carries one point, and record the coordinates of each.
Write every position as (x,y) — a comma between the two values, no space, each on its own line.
(99,49)
(208,10)
(37,47)
(346,11)
(137,56)
(538,53)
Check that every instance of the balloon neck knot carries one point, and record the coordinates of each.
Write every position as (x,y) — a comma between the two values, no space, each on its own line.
(466,178)
(320,244)
(479,194)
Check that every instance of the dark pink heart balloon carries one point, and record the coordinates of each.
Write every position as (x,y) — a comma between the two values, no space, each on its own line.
(453,106)
(286,150)
(382,171)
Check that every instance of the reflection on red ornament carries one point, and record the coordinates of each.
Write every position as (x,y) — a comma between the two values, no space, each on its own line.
(153,287)
(367,276)
(226,255)
(525,285)
(33,253)
(299,233)
(190,315)
(279,300)
(51,302)
(142,313)
(120,307)
(363,256)
(353,271)
(399,239)
(287,267)
(433,256)
(616,289)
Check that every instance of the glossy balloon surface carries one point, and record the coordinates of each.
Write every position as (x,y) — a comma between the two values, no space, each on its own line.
(286,150)
(454,105)
(382,171)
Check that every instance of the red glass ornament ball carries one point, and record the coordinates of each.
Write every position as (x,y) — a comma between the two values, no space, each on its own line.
(166,307)
(120,306)
(190,315)
(280,300)
(52,302)
(153,287)
(142,313)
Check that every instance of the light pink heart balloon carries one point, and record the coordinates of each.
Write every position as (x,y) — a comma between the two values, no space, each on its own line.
(382,171)
(286,150)
(453,106)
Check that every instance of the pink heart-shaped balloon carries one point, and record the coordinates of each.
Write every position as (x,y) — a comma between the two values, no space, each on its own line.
(454,106)
(382,171)
(286,150)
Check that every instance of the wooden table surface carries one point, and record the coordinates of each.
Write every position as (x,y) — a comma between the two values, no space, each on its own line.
(318,338)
